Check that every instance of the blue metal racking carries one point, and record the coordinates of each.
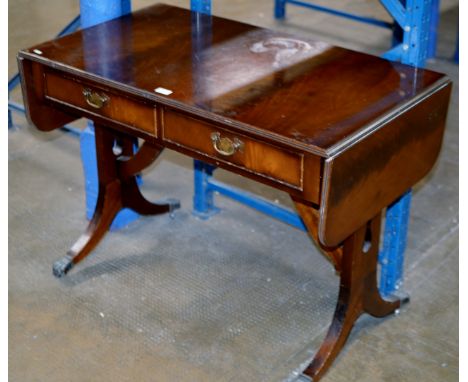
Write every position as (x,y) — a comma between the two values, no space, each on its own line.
(403,13)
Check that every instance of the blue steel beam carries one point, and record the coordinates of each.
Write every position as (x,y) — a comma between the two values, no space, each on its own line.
(13,82)
(202,6)
(396,10)
(203,201)
(414,51)
(280,9)
(391,256)
(13,106)
(71,27)
(95,12)
(280,5)
(254,201)
(417,39)
(434,25)
(394,54)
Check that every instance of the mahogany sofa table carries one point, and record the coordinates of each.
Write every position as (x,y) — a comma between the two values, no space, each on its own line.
(344,133)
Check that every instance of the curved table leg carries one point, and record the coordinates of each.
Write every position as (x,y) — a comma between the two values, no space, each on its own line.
(108,205)
(358,294)
(129,165)
(117,190)
(134,199)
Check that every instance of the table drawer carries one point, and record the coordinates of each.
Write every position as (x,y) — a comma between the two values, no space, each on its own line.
(103,103)
(259,158)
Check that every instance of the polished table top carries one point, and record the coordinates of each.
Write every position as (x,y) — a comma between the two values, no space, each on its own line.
(307,93)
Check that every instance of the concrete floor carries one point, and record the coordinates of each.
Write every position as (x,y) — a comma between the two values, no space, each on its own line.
(240,297)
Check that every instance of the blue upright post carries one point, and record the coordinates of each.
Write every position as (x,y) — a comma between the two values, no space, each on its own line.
(414,18)
(201,6)
(203,202)
(391,257)
(280,9)
(10,120)
(94,12)
(434,25)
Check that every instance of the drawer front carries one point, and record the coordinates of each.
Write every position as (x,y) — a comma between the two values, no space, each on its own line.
(259,158)
(81,95)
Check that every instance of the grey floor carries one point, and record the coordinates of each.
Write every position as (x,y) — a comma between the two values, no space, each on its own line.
(240,297)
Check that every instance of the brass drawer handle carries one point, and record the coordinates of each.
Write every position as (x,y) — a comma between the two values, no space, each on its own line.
(226,146)
(95,99)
